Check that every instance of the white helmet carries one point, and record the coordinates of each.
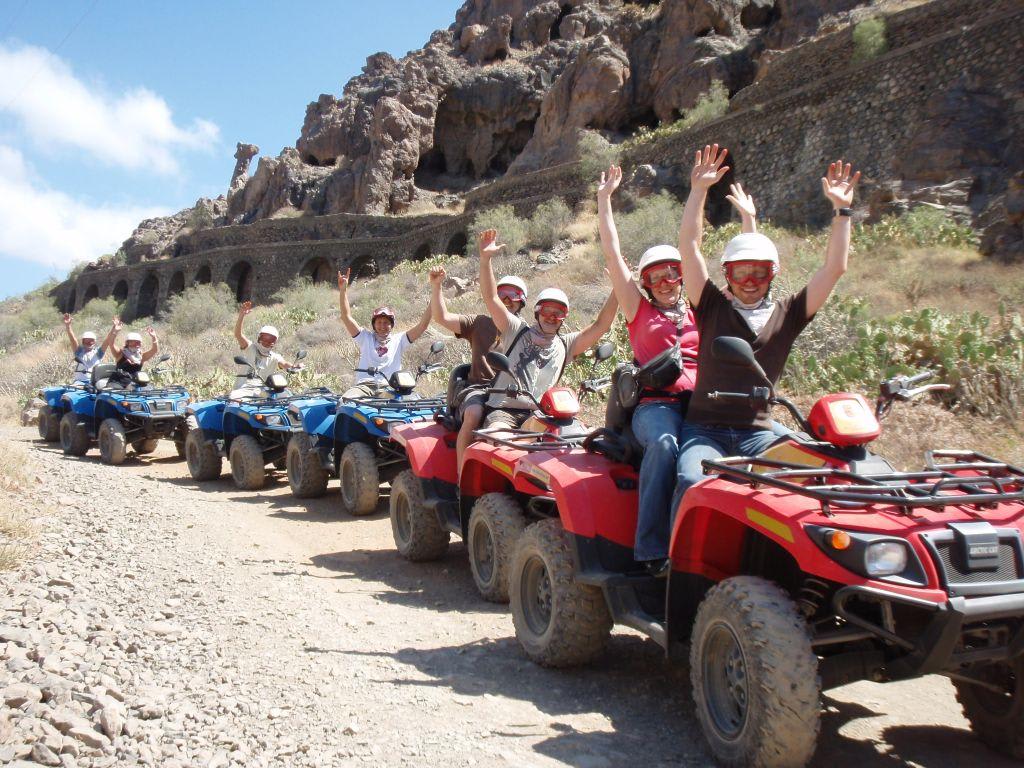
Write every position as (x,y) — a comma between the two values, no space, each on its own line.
(751,246)
(659,254)
(515,282)
(133,337)
(269,330)
(552,294)
(88,335)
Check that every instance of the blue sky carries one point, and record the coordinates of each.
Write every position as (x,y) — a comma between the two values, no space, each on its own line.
(114,110)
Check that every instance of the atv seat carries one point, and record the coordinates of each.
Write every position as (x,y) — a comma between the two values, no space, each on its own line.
(616,439)
(101,373)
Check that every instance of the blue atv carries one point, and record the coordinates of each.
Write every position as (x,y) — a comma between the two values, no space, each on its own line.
(350,437)
(251,427)
(118,411)
(54,409)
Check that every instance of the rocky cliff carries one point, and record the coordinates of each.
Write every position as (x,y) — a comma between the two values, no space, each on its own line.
(509,87)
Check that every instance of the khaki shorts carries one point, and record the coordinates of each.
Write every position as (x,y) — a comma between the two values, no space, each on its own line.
(366,389)
(510,418)
(478,399)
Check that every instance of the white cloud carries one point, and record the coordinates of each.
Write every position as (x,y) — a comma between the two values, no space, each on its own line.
(50,227)
(134,130)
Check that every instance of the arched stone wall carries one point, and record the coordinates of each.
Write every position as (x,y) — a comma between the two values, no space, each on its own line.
(120,292)
(422,253)
(203,275)
(177,284)
(92,292)
(239,280)
(456,244)
(148,301)
(318,270)
(69,306)
(363,268)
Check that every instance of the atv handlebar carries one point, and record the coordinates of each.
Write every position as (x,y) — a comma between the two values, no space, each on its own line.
(762,399)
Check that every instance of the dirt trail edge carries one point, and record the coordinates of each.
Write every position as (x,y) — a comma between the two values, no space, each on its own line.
(163,622)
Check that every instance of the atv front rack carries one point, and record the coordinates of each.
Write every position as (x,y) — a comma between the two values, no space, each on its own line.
(991,482)
(171,389)
(261,402)
(524,440)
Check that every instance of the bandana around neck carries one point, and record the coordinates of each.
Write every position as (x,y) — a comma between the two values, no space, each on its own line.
(756,314)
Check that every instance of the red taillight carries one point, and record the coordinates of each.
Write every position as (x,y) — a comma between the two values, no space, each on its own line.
(560,402)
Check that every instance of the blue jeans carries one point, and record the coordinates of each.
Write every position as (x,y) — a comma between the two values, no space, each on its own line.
(698,442)
(657,427)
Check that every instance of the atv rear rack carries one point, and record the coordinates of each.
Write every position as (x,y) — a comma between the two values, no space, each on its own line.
(261,402)
(524,440)
(388,404)
(936,487)
(171,389)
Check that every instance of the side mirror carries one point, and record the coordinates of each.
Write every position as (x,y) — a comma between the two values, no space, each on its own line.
(241,360)
(499,362)
(732,350)
(164,357)
(436,347)
(142,378)
(301,354)
(604,351)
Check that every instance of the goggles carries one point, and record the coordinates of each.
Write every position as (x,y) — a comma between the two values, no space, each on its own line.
(510,292)
(752,272)
(552,312)
(655,277)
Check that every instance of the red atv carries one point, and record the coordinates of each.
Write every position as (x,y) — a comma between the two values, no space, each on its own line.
(808,567)
(495,500)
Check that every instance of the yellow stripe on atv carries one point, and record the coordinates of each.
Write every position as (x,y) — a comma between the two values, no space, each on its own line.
(501,466)
(777,527)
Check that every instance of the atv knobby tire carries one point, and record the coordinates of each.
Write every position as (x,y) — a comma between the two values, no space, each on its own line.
(204,462)
(247,467)
(306,475)
(112,442)
(360,479)
(997,719)
(754,676)
(495,525)
(74,438)
(417,530)
(180,436)
(145,446)
(49,425)
(559,622)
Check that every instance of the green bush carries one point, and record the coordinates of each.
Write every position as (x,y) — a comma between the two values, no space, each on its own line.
(869,39)
(654,220)
(307,301)
(548,223)
(28,319)
(512,230)
(595,154)
(200,307)
(923,226)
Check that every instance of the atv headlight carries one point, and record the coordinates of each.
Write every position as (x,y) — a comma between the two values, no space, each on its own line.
(885,558)
(132,405)
(273,420)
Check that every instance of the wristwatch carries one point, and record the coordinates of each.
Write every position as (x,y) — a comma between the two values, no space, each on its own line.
(842,212)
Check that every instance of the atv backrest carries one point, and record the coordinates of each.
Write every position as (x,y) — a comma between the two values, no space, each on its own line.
(621,401)
(101,372)
(457,380)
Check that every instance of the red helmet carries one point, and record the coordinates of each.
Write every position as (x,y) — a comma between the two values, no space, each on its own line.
(387,312)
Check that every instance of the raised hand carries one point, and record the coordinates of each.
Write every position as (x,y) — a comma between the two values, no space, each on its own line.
(838,184)
(743,202)
(707,167)
(437,275)
(487,244)
(118,325)
(609,181)
(343,279)
(245,308)
(150,332)
(67,319)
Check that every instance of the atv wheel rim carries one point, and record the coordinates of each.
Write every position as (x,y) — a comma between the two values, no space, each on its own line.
(483,553)
(536,595)
(104,443)
(725,681)
(402,525)
(294,472)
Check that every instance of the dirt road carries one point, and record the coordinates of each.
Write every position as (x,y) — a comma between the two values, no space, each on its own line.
(208,626)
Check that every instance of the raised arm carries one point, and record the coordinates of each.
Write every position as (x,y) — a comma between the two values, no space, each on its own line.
(744,204)
(838,186)
(488,247)
(626,291)
(438,309)
(417,330)
(590,335)
(108,343)
(244,309)
(707,171)
(70,332)
(154,346)
(346,311)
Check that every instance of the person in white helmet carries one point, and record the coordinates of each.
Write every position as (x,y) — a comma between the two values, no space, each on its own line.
(539,351)
(380,347)
(260,354)
(130,358)
(482,334)
(746,308)
(87,352)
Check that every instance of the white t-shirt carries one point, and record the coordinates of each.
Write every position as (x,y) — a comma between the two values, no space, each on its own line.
(387,358)
(264,364)
(537,367)
(85,361)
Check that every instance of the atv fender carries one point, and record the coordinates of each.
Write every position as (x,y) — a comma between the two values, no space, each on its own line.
(81,403)
(430,448)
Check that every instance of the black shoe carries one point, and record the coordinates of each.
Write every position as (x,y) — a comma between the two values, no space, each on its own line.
(657,568)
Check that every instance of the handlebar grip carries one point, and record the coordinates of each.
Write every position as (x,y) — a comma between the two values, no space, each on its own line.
(922,376)
(728,396)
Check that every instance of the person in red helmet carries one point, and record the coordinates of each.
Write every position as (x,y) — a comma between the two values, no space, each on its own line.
(379,348)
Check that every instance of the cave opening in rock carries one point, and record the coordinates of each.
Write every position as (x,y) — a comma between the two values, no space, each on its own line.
(146,303)
(363,268)
(91,293)
(240,280)
(318,270)
(203,276)
(756,15)
(120,292)
(177,284)
(456,244)
(431,168)
(644,119)
(422,253)
(556,32)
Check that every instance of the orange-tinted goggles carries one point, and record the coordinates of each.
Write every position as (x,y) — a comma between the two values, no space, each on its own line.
(655,277)
(510,292)
(552,312)
(752,272)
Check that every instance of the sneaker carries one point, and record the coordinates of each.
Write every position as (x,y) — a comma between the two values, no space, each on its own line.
(659,568)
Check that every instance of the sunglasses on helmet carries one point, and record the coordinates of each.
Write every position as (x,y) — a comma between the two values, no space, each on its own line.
(756,272)
(656,276)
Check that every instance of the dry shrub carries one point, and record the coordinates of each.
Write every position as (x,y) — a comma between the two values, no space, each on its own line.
(549,223)
(198,308)
(16,532)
